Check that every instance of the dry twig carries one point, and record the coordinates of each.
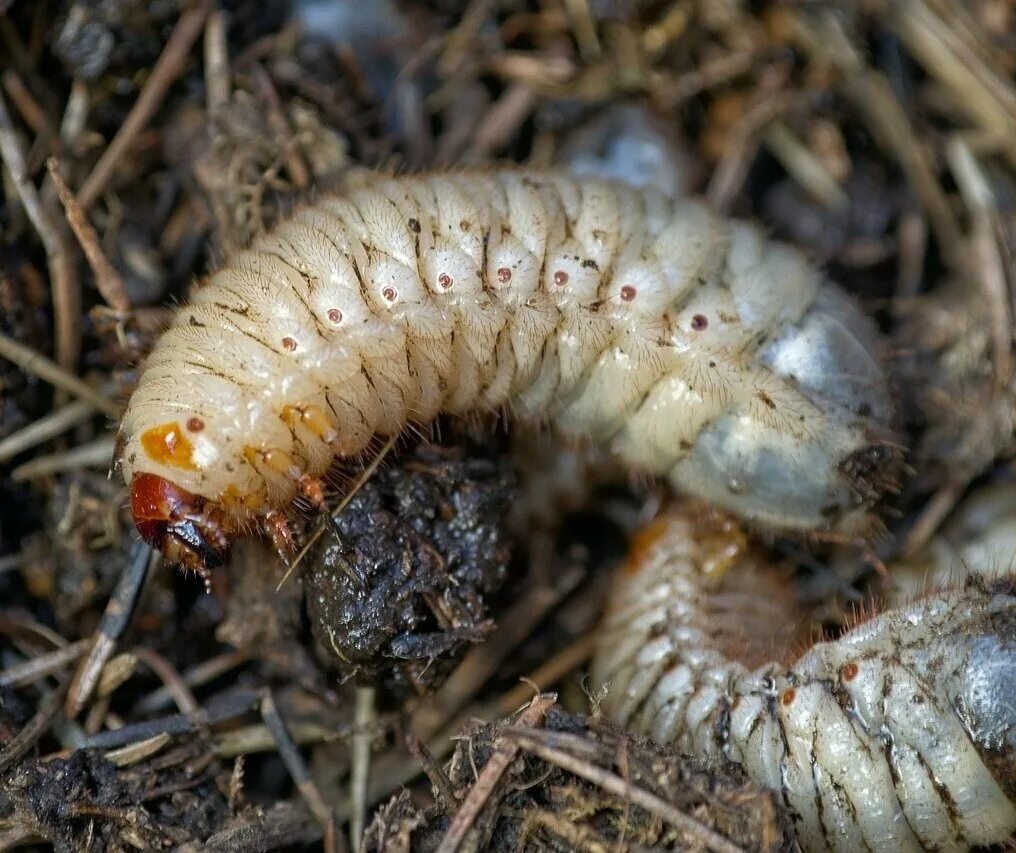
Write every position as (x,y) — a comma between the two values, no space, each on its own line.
(463,819)
(34,362)
(298,769)
(169,66)
(63,277)
(115,620)
(614,784)
(49,426)
(32,670)
(95,454)
(107,280)
(364,721)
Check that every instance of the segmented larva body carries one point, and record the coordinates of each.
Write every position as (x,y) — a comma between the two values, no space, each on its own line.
(687,344)
(900,735)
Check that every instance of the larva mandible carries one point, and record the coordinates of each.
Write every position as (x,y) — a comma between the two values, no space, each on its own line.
(687,344)
(899,736)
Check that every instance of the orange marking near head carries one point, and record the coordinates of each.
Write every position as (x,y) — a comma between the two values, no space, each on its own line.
(168,445)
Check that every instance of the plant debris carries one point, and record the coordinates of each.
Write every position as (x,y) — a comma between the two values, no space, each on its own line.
(552,794)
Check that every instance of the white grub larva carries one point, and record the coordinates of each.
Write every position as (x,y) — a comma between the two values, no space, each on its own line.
(898,736)
(686,344)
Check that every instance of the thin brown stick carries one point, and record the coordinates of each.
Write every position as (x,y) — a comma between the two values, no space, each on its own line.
(931,517)
(217,83)
(438,778)
(49,426)
(873,97)
(948,55)
(566,660)
(390,771)
(463,820)
(361,480)
(32,670)
(63,277)
(502,121)
(804,167)
(174,683)
(33,115)
(985,254)
(168,67)
(913,243)
(279,124)
(107,280)
(72,125)
(614,784)
(94,454)
(200,674)
(745,140)
(21,625)
(115,620)
(584,29)
(59,377)
(364,721)
(671,93)
(457,41)
(298,769)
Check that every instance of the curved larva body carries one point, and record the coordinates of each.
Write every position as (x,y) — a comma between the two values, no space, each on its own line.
(901,735)
(687,344)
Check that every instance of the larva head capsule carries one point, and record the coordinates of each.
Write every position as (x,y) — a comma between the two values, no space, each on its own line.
(177,523)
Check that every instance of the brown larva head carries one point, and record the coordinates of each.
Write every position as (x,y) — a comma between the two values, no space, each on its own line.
(182,525)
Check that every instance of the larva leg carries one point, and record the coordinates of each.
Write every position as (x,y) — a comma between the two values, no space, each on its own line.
(282,464)
(313,489)
(322,428)
(279,462)
(900,735)
(277,529)
(313,419)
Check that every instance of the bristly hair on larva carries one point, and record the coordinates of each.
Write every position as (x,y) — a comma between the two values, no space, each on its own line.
(900,735)
(684,343)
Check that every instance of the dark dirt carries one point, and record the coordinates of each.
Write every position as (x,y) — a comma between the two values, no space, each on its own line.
(401,582)
(69,800)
